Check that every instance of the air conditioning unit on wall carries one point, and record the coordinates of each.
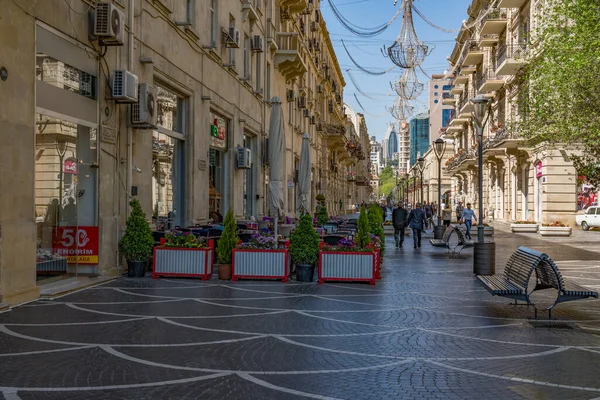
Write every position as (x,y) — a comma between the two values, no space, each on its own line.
(109,24)
(143,113)
(244,158)
(258,44)
(124,86)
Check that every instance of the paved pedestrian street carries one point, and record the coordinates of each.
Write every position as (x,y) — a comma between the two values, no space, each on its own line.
(427,330)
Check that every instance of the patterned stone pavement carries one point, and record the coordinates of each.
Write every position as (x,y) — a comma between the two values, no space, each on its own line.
(427,330)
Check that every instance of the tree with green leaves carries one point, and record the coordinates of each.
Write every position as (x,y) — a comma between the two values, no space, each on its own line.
(304,242)
(363,238)
(137,242)
(376,223)
(228,240)
(559,99)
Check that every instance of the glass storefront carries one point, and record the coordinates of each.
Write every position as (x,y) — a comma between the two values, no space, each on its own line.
(167,161)
(66,156)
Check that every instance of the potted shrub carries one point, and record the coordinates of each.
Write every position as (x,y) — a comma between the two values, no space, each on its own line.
(182,254)
(227,242)
(375,217)
(304,249)
(261,257)
(524,226)
(137,242)
(555,228)
(351,260)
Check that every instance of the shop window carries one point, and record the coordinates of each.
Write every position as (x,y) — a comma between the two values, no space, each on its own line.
(65,194)
(66,156)
(219,130)
(168,160)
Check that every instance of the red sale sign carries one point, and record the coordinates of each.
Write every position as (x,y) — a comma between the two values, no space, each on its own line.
(79,244)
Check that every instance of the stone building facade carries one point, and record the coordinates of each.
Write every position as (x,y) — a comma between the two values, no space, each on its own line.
(521,181)
(75,153)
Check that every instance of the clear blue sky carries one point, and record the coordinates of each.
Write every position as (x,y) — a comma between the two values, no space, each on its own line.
(447,14)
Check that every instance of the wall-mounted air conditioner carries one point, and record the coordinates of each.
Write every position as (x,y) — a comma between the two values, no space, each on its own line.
(124,86)
(258,44)
(109,24)
(143,113)
(233,37)
(244,160)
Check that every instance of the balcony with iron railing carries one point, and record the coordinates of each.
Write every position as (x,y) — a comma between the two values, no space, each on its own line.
(457,89)
(289,56)
(487,81)
(464,105)
(510,58)
(494,22)
(294,6)
(512,3)
(448,99)
(472,54)
(489,40)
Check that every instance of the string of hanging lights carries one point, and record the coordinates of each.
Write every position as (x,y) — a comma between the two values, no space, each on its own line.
(401,110)
(358,30)
(407,51)
(361,67)
(358,88)
(408,86)
(420,14)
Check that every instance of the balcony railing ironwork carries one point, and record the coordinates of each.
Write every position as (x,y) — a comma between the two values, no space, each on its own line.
(508,52)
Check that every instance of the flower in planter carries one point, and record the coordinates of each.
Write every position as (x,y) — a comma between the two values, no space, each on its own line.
(522,222)
(261,241)
(183,240)
(556,224)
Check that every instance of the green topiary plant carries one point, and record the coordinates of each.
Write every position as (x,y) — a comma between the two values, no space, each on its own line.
(137,242)
(322,216)
(375,223)
(363,238)
(228,240)
(304,242)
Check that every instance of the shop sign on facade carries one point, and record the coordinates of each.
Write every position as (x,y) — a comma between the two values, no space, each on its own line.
(79,244)
(70,166)
(218,132)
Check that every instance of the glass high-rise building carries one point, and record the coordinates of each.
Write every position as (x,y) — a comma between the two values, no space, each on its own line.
(392,142)
(419,137)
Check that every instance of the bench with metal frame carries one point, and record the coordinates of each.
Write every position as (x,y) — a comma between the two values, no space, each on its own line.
(451,240)
(519,270)
(462,242)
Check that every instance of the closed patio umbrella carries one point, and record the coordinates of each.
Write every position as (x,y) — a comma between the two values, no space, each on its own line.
(276,155)
(304,176)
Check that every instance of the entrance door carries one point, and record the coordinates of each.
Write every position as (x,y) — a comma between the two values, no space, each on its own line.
(66,199)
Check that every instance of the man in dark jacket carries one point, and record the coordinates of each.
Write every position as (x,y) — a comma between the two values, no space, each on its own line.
(417,221)
(399,216)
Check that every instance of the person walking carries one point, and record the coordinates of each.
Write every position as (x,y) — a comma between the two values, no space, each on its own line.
(468,215)
(459,211)
(399,217)
(417,221)
(447,215)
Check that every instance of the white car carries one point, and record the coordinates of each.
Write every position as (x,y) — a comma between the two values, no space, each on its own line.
(591,218)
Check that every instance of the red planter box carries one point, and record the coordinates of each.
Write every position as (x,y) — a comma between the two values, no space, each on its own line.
(341,266)
(260,264)
(190,263)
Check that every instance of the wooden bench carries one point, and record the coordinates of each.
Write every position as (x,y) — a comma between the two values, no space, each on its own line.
(520,269)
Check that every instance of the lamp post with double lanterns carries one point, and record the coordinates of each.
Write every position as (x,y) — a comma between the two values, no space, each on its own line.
(484,255)
(439,148)
(421,167)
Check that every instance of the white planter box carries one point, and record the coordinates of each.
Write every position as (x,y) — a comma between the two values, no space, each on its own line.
(261,264)
(555,230)
(524,228)
(347,266)
(192,263)
(388,230)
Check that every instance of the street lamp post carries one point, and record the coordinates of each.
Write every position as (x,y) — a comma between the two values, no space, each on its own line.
(421,165)
(439,148)
(414,186)
(484,256)
(407,182)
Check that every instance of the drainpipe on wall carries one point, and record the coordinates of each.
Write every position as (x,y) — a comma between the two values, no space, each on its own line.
(129,167)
